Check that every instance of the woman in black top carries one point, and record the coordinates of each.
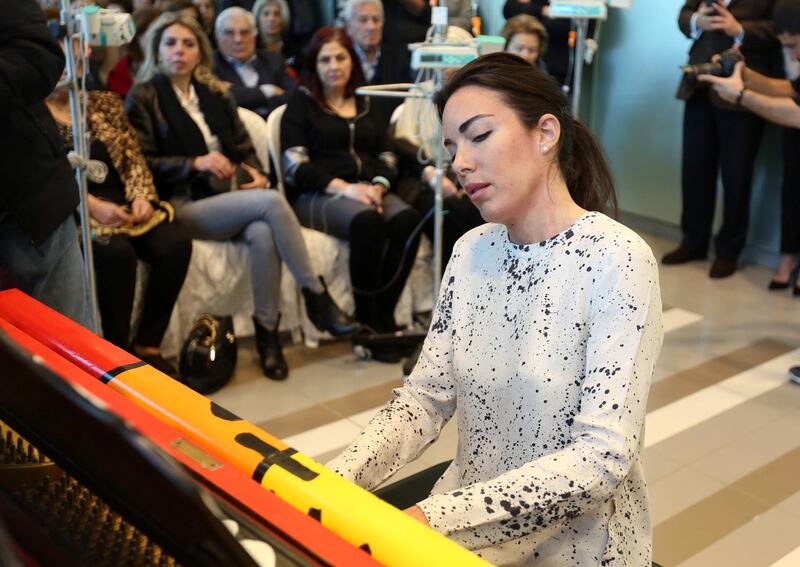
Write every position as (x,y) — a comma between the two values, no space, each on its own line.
(339,170)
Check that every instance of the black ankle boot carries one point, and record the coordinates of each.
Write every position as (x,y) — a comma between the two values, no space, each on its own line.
(269,351)
(326,315)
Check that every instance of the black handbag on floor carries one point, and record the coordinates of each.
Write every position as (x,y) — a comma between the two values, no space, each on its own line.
(208,357)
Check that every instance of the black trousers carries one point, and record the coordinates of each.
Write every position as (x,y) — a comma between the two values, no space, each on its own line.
(382,251)
(790,192)
(717,141)
(168,250)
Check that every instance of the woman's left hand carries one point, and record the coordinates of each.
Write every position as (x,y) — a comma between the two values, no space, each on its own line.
(141,210)
(259,181)
(416,513)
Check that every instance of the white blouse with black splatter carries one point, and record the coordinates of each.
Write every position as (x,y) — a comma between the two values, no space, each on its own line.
(547,351)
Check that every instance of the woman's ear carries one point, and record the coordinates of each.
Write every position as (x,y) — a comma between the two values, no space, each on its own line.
(549,129)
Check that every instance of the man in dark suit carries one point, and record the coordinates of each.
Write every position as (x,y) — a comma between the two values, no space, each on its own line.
(39,250)
(259,80)
(718,136)
(382,64)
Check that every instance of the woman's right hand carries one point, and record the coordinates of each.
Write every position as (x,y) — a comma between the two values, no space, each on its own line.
(214,163)
(107,213)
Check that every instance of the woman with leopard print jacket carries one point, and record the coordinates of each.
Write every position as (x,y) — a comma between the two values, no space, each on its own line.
(128,223)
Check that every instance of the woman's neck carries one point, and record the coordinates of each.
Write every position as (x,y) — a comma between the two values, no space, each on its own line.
(335,97)
(550,211)
(181,83)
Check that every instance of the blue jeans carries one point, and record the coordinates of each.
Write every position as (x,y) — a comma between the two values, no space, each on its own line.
(52,272)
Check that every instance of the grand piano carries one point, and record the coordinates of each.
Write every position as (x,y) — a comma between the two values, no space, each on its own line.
(106,461)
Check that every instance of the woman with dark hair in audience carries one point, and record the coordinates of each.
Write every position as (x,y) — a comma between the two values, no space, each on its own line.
(197,147)
(120,79)
(184,8)
(543,342)
(208,15)
(129,223)
(339,170)
(274,23)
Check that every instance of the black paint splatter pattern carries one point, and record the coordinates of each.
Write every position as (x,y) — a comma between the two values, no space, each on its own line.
(544,353)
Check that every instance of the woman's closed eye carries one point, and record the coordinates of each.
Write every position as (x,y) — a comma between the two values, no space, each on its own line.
(481,137)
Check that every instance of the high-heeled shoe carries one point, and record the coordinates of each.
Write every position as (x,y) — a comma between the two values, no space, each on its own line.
(273,364)
(326,315)
(775,285)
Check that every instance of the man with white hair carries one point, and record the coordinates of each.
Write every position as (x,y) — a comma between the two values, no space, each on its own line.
(382,64)
(259,80)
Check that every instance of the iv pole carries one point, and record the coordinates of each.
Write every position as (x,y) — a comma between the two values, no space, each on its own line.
(79,140)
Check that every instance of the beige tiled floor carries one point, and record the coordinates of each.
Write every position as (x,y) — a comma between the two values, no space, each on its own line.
(724,480)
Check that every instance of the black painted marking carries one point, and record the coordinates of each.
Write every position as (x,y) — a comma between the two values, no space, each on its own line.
(273,456)
(111,374)
(315,513)
(222,413)
(366,548)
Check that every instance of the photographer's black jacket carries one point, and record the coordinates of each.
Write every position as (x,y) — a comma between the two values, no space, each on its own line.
(37,186)
(760,48)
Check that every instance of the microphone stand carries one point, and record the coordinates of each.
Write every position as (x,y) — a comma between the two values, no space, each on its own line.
(80,143)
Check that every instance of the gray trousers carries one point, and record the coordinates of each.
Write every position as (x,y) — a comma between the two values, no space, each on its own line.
(53,273)
(264,220)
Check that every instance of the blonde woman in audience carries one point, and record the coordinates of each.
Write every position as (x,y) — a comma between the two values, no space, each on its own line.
(198,148)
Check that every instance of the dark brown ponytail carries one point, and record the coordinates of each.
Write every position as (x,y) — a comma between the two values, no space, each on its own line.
(531,94)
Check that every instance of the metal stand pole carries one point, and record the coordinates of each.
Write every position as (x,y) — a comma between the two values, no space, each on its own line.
(438,201)
(79,140)
(580,54)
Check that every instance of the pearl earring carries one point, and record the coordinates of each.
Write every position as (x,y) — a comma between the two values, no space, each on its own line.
(544,149)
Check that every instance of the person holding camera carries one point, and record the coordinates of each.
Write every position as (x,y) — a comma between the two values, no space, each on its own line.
(776,100)
(717,136)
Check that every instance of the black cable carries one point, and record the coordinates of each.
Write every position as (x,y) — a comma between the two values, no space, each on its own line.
(406,247)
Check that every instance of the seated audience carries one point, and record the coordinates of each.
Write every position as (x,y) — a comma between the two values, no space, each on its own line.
(120,79)
(303,19)
(258,79)
(339,171)
(273,21)
(197,148)
(527,37)
(130,223)
(381,64)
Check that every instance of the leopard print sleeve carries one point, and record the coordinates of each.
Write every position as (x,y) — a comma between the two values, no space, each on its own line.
(109,123)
